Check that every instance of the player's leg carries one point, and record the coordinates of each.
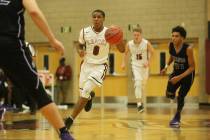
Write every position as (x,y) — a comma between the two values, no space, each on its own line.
(82,78)
(138,87)
(171,88)
(186,84)
(84,97)
(90,77)
(19,69)
(171,94)
(145,76)
(81,103)
(138,95)
(97,77)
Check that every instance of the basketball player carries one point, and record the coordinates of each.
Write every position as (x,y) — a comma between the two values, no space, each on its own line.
(183,73)
(141,52)
(94,48)
(17,64)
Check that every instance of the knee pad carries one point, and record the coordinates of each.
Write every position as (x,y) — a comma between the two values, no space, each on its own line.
(170,95)
(87,88)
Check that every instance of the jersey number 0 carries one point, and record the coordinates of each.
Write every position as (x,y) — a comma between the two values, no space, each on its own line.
(96,50)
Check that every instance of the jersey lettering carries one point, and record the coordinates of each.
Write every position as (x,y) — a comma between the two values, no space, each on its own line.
(178,66)
(4,2)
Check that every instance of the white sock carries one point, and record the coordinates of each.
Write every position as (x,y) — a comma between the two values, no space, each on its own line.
(139,104)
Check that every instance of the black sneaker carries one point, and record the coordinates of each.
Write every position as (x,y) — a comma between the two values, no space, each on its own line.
(140,108)
(175,122)
(68,122)
(88,106)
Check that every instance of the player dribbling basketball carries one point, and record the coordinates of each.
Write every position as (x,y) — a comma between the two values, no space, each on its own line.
(94,49)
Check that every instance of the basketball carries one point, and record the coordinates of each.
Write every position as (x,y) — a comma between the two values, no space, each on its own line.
(114,35)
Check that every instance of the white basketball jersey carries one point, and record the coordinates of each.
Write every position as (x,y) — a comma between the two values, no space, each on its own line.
(139,52)
(97,49)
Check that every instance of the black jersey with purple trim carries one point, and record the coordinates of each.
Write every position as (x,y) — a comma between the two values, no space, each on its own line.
(12,19)
(180,58)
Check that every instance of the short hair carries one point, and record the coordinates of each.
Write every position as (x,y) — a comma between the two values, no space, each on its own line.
(99,11)
(62,60)
(138,29)
(180,30)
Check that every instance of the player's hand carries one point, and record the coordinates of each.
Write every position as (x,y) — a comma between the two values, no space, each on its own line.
(163,71)
(58,46)
(123,66)
(174,80)
(121,46)
(146,64)
(82,53)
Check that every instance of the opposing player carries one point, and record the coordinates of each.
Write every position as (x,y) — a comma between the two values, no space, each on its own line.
(17,64)
(183,73)
(94,48)
(141,52)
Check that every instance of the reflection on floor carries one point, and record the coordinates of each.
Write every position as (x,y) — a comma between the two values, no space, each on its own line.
(113,123)
(22,124)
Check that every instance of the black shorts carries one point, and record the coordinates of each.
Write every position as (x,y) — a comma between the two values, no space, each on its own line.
(16,62)
(3,91)
(185,85)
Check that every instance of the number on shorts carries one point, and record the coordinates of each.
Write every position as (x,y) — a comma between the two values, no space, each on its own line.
(139,56)
(96,50)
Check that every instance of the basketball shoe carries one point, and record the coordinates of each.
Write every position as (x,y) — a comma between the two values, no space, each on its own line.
(175,122)
(66,136)
(88,106)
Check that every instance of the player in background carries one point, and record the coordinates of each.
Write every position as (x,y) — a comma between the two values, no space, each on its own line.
(183,73)
(141,52)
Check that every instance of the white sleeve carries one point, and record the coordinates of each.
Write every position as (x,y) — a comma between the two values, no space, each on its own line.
(81,37)
(32,50)
(129,45)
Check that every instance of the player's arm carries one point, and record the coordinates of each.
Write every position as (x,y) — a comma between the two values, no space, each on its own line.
(80,49)
(39,19)
(191,62)
(81,45)
(125,57)
(121,46)
(151,52)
